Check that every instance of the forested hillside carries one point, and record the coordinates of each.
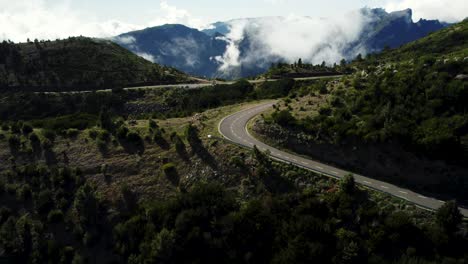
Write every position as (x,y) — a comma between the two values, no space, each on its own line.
(77,64)
(406,106)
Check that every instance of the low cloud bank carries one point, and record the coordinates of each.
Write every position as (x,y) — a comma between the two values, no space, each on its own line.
(260,41)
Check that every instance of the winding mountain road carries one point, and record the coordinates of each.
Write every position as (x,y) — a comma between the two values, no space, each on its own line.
(234,129)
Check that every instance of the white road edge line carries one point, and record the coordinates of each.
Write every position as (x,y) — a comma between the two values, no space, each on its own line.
(262,107)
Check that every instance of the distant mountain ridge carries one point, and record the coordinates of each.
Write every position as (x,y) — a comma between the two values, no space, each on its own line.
(395,29)
(178,46)
(203,53)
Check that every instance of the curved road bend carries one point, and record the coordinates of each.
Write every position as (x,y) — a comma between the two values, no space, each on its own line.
(234,128)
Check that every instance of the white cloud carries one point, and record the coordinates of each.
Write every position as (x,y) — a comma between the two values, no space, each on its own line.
(22,19)
(290,38)
(444,10)
(174,15)
(126,40)
(146,56)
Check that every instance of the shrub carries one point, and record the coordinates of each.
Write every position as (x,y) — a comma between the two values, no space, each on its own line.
(72,132)
(152,124)
(44,202)
(14,142)
(47,144)
(34,138)
(77,121)
(24,192)
(170,171)
(93,133)
(105,120)
(27,129)
(122,132)
(191,133)
(104,135)
(11,188)
(348,184)
(49,134)
(134,138)
(101,145)
(15,128)
(179,144)
(5,127)
(55,216)
(283,118)
(35,142)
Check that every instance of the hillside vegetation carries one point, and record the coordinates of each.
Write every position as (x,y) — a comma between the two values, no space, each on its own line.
(406,106)
(77,64)
(87,197)
(130,176)
(450,42)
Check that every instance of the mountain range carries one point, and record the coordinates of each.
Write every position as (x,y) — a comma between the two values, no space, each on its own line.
(248,47)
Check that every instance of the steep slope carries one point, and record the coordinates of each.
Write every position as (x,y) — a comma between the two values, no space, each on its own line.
(177,46)
(77,64)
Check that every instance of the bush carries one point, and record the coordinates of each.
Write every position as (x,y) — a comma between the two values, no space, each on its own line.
(5,127)
(55,216)
(34,138)
(101,145)
(283,118)
(152,124)
(14,142)
(122,132)
(104,135)
(169,170)
(27,129)
(16,128)
(11,188)
(72,132)
(24,192)
(348,184)
(44,202)
(93,133)
(191,133)
(179,144)
(47,144)
(76,121)
(49,134)
(134,138)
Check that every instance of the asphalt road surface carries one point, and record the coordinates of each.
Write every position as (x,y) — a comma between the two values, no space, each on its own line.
(234,129)
(191,85)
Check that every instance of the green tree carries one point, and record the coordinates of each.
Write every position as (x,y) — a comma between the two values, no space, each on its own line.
(105,119)
(448,217)
(191,133)
(348,184)
(284,118)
